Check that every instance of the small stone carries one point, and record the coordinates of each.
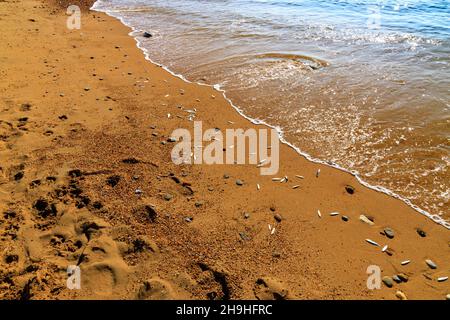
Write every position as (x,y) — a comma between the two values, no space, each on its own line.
(188,219)
(431,264)
(210,189)
(244,236)
(389,233)
(87,89)
(138,191)
(147,35)
(448,297)
(278,217)
(272,208)
(403,277)
(401,295)
(239,182)
(344,218)
(113,180)
(163,143)
(350,189)
(225,176)
(388,281)
(276,254)
(365,219)
(421,233)
(171,140)
(198,204)
(168,197)
(246,215)
(396,279)
(18,176)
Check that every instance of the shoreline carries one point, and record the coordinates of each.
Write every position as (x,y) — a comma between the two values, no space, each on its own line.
(434,217)
(125,241)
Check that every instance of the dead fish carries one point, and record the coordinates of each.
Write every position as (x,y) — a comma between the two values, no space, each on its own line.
(319,214)
(296,187)
(384,248)
(276,179)
(300,177)
(334,214)
(258,187)
(372,242)
(404,263)
(317,173)
(442,279)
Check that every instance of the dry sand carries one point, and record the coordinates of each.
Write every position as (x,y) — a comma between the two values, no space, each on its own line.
(76,104)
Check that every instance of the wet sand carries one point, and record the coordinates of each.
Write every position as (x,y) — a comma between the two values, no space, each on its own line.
(86,181)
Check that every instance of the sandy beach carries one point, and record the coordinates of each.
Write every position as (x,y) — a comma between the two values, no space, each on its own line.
(87,179)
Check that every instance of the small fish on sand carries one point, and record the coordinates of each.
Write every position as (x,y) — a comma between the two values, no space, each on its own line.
(442,279)
(317,173)
(296,186)
(258,187)
(384,248)
(404,263)
(319,214)
(300,177)
(334,214)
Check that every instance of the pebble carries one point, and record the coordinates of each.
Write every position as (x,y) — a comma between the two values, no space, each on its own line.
(372,242)
(147,35)
(244,236)
(278,217)
(396,279)
(363,218)
(431,264)
(239,182)
(344,218)
(188,219)
(388,282)
(421,233)
(389,233)
(198,204)
(448,296)
(172,140)
(246,215)
(401,295)
(168,197)
(87,89)
(350,189)
(225,176)
(403,277)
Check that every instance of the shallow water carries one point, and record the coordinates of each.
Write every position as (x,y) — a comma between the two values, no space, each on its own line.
(363,84)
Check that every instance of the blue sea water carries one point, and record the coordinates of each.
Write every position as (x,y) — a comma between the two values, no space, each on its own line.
(364,84)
